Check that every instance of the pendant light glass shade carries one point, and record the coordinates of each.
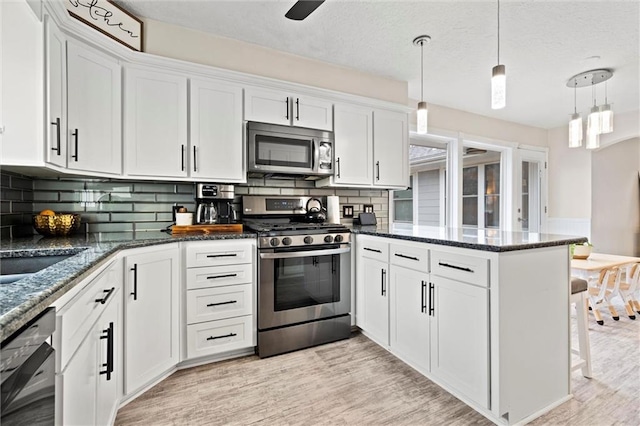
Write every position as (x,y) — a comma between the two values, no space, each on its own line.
(593,141)
(575,131)
(422,114)
(606,119)
(498,87)
(422,118)
(593,121)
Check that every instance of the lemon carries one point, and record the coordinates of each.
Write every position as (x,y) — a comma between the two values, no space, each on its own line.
(47,213)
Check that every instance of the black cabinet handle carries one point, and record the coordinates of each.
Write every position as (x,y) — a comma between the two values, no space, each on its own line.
(338,166)
(423,296)
(221,337)
(404,256)
(432,302)
(109,363)
(223,255)
(370,249)
(57,124)
(384,287)
(213,277)
(298,109)
(182,152)
(287,114)
(195,160)
(377,170)
(104,299)
(135,281)
(459,268)
(75,135)
(222,303)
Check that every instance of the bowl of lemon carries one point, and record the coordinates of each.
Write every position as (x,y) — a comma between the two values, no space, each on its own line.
(52,224)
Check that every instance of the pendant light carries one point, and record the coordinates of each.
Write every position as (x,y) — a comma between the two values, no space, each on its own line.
(593,120)
(422,113)
(606,114)
(575,125)
(498,78)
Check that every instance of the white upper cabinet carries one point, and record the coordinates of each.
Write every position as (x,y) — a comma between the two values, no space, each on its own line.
(155,123)
(94,111)
(215,121)
(353,145)
(390,149)
(271,106)
(56,91)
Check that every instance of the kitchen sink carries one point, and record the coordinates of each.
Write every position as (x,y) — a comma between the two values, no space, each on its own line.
(13,269)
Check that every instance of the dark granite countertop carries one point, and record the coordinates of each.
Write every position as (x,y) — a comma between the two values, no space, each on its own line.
(24,299)
(492,240)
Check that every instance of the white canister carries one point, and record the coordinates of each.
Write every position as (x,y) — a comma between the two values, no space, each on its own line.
(333,209)
(184,219)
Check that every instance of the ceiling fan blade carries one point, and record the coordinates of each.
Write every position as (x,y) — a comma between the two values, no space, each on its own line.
(302,9)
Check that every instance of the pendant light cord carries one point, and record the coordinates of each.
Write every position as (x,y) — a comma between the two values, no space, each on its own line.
(575,89)
(498,32)
(422,71)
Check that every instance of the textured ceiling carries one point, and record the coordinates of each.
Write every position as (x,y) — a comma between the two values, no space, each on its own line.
(543,43)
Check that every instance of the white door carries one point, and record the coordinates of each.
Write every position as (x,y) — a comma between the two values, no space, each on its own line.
(376,300)
(151,315)
(94,111)
(79,384)
(531,193)
(108,364)
(155,123)
(460,337)
(410,316)
(267,106)
(312,112)
(390,149)
(217,143)
(56,80)
(353,145)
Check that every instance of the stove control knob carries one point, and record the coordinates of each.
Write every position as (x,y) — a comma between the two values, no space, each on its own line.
(339,238)
(274,242)
(308,240)
(328,239)
(286,241)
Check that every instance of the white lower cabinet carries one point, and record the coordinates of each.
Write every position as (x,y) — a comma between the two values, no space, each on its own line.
(151,338)
(219,336)
(376,300)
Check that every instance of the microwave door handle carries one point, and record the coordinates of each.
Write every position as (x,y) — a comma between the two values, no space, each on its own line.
(316,155)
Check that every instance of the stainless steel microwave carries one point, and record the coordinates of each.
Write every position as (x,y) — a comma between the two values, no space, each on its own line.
(276,149)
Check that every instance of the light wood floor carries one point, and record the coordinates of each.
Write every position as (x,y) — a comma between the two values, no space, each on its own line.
(355,382)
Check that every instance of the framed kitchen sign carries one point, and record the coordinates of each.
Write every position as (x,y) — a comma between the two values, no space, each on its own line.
(109,19)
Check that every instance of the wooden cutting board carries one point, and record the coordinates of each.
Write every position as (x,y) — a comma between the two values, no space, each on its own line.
(207,229)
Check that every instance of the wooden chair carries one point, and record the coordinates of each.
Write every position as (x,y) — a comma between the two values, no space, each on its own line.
(628,289)
(607,286)
(578,293)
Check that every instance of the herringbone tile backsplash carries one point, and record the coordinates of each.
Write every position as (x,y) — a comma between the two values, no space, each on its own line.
(123,206)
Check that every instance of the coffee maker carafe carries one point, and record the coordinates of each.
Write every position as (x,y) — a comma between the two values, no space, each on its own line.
(214,203)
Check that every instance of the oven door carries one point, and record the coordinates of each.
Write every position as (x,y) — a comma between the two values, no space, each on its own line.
(296,285)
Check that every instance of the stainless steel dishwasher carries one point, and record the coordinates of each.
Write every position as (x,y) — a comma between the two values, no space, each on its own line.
(27,374)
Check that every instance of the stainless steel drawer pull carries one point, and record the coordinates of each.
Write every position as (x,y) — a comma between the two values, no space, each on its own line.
(104,299)
(213,277)
(459,268)
(404,256)
(373,250)
(222,303)
(223,255)
(221,337)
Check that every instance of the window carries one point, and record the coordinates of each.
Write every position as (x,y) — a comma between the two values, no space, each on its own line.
(481,211)
(492,195)
(403,204)
(470,196)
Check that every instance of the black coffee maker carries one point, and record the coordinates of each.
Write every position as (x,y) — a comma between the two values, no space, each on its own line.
(214,203)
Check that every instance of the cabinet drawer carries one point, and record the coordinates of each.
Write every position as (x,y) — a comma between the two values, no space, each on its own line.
(219,336)
(216,303)
(373,248)
(219,253)
(410,256)
(468,269)
(77,317)
(216,276)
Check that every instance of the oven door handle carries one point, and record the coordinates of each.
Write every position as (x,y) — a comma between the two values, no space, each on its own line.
(306,253)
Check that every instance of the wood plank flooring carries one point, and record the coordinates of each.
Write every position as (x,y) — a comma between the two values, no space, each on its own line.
(355,382)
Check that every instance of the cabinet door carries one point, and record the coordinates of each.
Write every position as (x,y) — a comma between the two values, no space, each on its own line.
(410,316)
(109,361)
(155,123)
(94,111)
(460,337)
(353,145)
(151,315)
(79,385)
(390,149)
(376,301)
(267,106)
(312,112)
(56,80)
(217,144)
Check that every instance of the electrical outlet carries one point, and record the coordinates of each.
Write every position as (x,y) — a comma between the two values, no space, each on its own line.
(175,209)
(368,208)
(347,211)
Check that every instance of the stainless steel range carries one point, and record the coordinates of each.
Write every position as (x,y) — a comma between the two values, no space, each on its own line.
(304,272)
